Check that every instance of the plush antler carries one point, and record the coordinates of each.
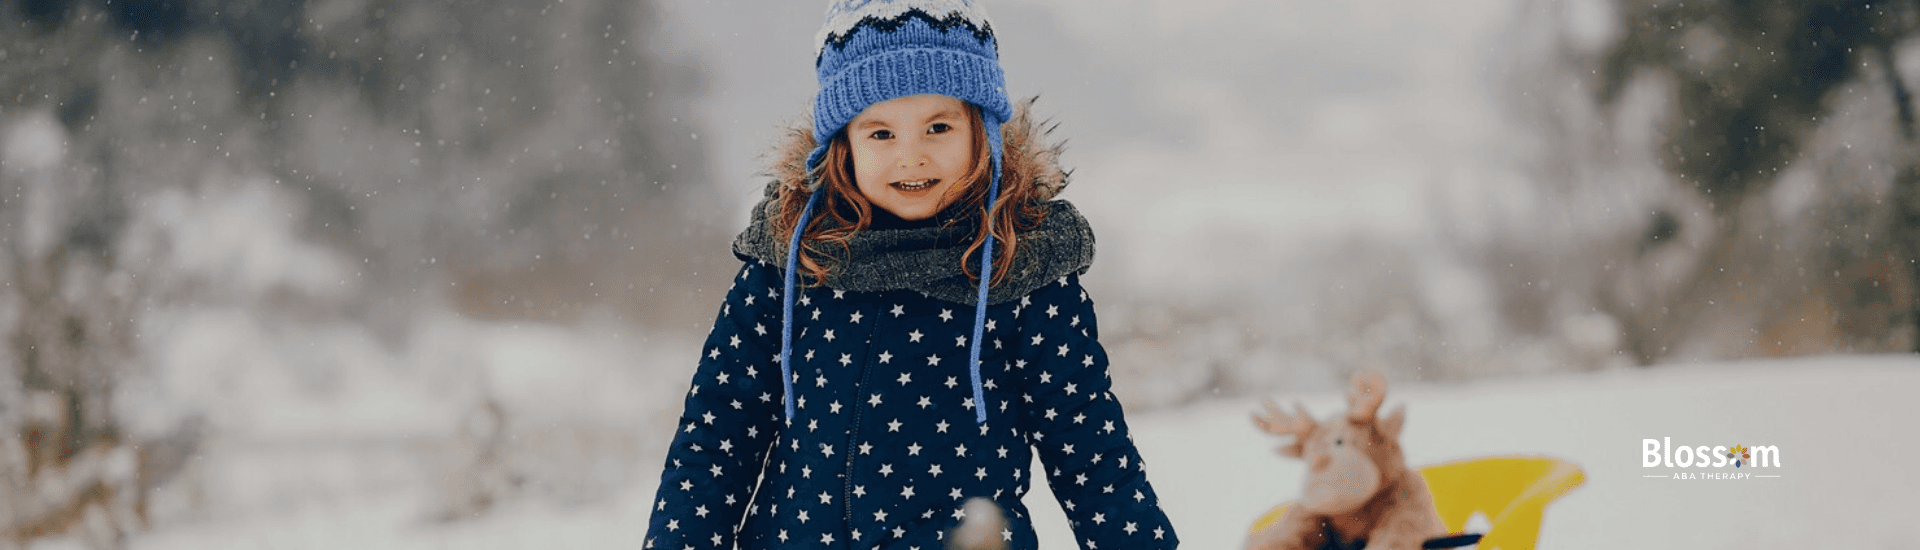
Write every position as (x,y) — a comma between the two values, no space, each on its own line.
(1278,422)
(1369,390)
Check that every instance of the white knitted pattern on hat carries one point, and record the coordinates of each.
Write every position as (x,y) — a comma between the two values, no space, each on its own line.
(842,15)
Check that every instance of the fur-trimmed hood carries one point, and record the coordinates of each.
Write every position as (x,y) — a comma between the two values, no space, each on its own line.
(929,259)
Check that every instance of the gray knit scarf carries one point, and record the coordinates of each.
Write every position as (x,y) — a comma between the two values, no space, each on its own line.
(928,259)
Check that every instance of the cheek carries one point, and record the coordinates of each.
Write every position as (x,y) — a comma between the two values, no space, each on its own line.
(866,167)
(956,162)
(958,157)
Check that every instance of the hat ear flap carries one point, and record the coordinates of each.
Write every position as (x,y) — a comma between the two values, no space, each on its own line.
(818,155)
(996,148)
(816,168)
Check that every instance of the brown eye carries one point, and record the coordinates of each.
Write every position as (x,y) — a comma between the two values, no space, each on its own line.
(939,128)
(881,134)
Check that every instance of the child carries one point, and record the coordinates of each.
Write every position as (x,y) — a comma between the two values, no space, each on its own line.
(909,327)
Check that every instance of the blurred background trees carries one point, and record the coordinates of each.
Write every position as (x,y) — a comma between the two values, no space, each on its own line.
(1782,220)
(1752,84)
(356,160)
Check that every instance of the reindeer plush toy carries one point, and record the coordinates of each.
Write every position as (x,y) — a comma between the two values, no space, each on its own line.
(1359,491)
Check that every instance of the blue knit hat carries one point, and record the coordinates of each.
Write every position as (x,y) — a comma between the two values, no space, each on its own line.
(871,51)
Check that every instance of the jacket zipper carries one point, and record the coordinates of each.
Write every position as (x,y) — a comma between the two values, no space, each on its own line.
(853,429)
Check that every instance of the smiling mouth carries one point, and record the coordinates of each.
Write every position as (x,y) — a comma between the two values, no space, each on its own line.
(915,185)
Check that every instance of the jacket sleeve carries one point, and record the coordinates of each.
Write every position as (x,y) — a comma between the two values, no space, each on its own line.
(729,421)
(1078,428)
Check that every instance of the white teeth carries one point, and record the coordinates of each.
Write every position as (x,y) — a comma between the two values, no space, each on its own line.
(915,185)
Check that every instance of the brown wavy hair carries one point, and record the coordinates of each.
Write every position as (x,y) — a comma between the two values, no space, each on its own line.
(1019,207)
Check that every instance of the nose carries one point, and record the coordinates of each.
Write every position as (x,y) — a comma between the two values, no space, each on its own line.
(913,155)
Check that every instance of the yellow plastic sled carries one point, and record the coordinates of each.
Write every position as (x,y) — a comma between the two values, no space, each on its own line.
(1512,491)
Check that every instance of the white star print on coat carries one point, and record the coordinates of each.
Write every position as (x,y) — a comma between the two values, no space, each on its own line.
(913,452)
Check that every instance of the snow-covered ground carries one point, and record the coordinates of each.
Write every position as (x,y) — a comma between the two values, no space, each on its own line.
(1842,425)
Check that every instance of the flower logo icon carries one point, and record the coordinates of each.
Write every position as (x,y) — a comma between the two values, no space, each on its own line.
(1739,455)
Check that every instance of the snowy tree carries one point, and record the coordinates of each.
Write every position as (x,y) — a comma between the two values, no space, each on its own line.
(1786,136)
(354,160)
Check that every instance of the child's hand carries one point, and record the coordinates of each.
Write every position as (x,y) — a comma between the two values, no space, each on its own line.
(981,528)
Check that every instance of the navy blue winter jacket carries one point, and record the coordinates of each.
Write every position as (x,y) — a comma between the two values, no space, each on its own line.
(884,447)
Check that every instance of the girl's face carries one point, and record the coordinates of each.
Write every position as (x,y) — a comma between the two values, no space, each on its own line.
(910,154)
